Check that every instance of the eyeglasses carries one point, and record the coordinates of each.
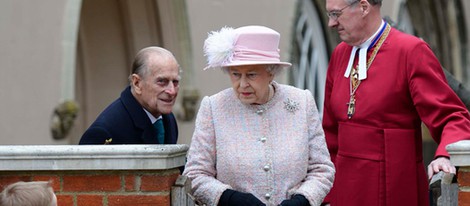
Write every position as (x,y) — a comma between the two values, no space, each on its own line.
(335,14)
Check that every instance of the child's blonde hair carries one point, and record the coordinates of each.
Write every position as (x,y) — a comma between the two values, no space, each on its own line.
(36,193)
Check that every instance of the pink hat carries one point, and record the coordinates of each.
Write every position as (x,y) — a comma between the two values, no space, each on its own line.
(248,45)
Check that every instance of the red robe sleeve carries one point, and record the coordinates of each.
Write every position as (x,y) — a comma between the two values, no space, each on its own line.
(438,106)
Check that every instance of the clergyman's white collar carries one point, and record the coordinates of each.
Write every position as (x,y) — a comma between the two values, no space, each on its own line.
(362,69)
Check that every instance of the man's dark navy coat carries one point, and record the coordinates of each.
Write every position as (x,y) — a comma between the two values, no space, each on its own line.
(126,122)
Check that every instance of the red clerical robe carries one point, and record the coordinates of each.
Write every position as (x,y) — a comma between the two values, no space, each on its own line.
(378,152)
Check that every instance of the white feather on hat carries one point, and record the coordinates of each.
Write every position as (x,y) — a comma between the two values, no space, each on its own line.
(219,47)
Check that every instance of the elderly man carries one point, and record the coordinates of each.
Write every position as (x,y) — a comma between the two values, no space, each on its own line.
(381,85)
(143,113)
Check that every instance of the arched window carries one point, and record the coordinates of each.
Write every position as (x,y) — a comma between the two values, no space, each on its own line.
(310,52)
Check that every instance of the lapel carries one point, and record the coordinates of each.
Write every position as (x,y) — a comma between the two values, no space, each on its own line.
(139,117)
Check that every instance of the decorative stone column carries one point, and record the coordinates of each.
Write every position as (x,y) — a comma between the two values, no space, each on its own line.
(97,174)
(460,157)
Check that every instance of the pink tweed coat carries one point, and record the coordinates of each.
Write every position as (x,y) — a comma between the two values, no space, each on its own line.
(273,150)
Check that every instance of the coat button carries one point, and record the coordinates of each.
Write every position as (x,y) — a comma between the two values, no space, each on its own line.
(263,139)
(266,167)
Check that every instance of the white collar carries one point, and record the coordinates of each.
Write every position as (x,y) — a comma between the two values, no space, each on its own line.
(151,117)
(362,69)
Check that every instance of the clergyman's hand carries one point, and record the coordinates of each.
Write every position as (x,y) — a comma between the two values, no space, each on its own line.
(440,163)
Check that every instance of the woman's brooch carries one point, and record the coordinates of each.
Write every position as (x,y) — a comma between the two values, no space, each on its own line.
(290,105)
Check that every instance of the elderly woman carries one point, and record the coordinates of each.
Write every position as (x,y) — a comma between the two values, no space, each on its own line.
(259,142)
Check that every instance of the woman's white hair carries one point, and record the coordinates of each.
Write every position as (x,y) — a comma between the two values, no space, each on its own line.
(273,69)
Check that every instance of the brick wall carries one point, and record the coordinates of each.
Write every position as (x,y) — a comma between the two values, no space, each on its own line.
(103,188)
(460,156)
(105,175)
(463,179)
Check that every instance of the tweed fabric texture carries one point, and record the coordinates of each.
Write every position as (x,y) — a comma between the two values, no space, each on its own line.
(273,150)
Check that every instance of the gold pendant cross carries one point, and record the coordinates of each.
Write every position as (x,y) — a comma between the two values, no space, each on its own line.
(352,98)
(354,78)
(351,106)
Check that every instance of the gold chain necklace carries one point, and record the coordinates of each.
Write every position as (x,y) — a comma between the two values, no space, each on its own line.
(354,77)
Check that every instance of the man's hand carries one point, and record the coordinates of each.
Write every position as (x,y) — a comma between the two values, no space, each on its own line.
(440,163)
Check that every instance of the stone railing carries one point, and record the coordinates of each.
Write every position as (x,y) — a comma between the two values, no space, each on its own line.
(460,157)
(443,189)
(99,174)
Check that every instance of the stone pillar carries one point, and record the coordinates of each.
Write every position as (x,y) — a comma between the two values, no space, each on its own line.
(460,157)
(97,174)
